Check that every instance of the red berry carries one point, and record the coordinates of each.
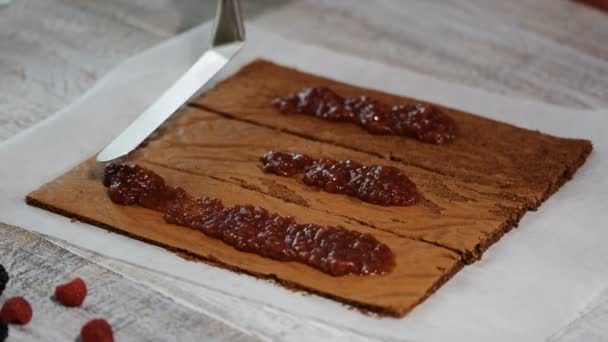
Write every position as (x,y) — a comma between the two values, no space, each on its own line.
(72,293)
(16,310)
(97,330)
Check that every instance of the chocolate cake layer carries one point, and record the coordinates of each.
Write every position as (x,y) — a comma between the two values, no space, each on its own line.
(452,213)
(471,190)
(420,268)
(521,164)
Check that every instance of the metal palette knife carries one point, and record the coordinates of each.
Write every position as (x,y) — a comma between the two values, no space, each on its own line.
(228,36)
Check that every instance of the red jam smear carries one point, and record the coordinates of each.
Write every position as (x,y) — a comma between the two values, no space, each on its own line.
(424,122)
(333,250)
(376,184)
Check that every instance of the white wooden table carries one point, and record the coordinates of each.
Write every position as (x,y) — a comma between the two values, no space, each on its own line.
(51,51)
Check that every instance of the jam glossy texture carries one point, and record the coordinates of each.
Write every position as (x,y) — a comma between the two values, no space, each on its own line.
(333,250)
(376,184)
(424,122)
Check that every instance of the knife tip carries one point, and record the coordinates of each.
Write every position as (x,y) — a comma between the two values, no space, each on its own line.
(106,157)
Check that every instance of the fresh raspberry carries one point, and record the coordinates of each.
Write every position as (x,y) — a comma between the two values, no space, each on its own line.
(3,280)
(72,293)
(3,331)
(97,330)
(16,310)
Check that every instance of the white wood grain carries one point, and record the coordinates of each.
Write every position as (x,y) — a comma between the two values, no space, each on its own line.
(554,51)
(51,52)
(135,312)
(278,325)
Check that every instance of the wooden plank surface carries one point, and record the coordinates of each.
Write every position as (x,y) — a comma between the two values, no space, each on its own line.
(54,50)
(548,50)
(135,311)
(551,50)
(231,308)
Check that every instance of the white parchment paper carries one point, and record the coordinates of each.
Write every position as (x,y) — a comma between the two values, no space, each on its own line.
(528,286)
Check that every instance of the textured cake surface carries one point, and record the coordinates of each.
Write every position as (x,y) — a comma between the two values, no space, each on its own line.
(503,169)
(472,190)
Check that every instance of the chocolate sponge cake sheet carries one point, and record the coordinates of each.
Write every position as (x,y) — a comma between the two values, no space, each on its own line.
(504,168)
(472,190)
(420,269)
